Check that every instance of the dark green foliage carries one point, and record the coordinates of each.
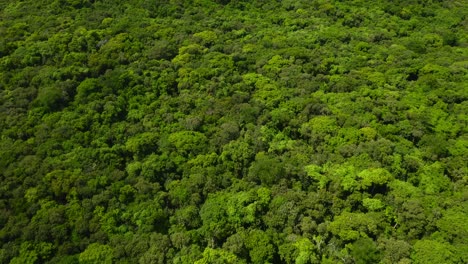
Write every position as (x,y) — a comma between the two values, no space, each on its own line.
(364,250)
(216,131)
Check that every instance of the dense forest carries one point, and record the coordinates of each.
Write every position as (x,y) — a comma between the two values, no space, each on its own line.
(216,131)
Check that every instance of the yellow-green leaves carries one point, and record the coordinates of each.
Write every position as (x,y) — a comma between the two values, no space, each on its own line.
(351,226)
(211,255)
(96,253)
(315,172)
(372,204)
(377,176)
(206,37)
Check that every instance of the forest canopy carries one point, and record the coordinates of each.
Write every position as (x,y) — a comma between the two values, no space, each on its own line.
(217,131)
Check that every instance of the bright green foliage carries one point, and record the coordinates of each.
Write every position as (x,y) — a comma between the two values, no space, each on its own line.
(305,250)
(96,253)
(260,246)
(453,227)
(217,131)
(206,37)
(372,204)
(347,175)
(215,256)
(351,226)
(430,251)
(26,257)
(32,253)
(374,177)
(186,142)
(433,179)
(298,250)
(314,172)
